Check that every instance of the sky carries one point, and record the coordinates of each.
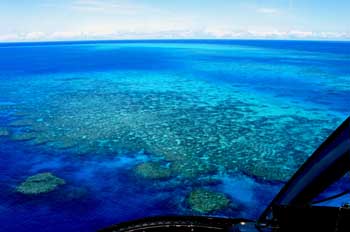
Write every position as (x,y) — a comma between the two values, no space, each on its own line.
(56,20)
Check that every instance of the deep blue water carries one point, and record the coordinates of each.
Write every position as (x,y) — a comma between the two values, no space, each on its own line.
(134,127)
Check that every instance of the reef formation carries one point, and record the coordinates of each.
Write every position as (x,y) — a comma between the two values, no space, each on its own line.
(153,171)
(205,201)
(4,132)
(39,184)
(195,134)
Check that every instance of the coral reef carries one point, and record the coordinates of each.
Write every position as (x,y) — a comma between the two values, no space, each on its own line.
(272,173)
(152,171)
(23,136)
(4,131)
(40,183)
(22,123)
(192,168)
(198,135)
(205,201)
(65,144)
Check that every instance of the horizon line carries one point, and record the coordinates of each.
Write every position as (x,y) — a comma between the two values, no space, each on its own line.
(172,39)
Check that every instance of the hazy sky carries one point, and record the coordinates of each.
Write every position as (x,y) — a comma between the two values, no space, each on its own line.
(36,20)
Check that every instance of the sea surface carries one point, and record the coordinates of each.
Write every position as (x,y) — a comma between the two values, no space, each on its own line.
(121,130)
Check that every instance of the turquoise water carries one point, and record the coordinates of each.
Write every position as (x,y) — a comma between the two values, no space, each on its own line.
(145,128)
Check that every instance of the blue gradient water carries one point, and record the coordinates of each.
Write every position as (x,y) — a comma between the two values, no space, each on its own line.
(233,117)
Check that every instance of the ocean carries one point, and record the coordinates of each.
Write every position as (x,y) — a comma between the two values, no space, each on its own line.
(100,132)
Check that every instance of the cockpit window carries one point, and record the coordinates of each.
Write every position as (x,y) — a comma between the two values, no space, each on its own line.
(337,195)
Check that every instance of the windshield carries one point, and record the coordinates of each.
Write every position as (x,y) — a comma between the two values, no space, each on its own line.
(93,134)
